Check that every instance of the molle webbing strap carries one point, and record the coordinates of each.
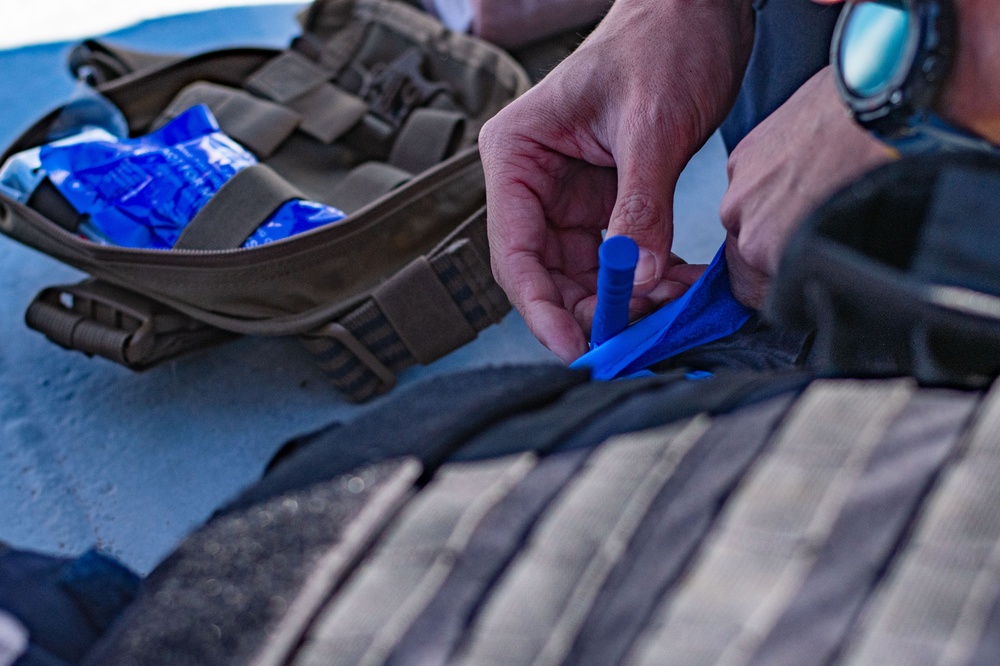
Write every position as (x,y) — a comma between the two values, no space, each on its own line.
(674,529)
(500,535)
(49,201)
(296,82)
(421,310)
(534,614)
(286,77)
(240,206)
(366,183)
(768,539)
(935,604)
(427,137)
(392,587)
(871,530)
(255,123)
(363,351)
(328,112)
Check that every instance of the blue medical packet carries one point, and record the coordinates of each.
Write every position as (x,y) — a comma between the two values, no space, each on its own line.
(142,192)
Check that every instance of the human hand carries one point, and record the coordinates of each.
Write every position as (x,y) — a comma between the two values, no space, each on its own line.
(600,143)
(800,155)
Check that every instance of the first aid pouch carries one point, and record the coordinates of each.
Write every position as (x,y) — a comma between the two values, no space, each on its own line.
(373,111)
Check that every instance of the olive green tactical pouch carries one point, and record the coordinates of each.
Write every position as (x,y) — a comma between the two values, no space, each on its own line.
(374,109)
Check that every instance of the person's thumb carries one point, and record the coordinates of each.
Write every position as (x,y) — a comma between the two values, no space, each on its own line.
(644,212)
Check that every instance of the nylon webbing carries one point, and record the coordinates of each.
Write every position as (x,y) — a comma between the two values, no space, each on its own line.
(293,80)
(365,183)
(937,600)
(871,527)
(255,123)
(382,599)
(467,280)
(675,527)
(767,539)
(240,206)
(539,605)
(427,137)
(386,499)
(433,636)
(328,112)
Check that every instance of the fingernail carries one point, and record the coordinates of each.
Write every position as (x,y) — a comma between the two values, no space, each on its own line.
(645,270)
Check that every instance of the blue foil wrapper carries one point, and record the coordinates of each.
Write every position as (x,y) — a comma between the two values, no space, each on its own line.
(142,192)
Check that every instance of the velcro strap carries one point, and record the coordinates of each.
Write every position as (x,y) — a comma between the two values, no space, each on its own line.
(285,77)
(364,351)
(293,80)
(366,183)
(328,112)
(240,206)
(49,201)
(256,123)
(428,136)
(422,312)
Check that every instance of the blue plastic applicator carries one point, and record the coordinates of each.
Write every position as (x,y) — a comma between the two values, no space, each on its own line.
(618,257)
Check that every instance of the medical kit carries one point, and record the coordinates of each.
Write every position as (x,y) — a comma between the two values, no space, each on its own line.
(331,191)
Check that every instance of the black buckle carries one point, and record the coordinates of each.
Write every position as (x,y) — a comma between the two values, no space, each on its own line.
(394,89)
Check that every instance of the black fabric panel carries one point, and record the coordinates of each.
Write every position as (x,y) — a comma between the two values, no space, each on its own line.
(869,530)
(36,656)
(756,346)
(31,591)
(546,428)
(716,395)
(427,420)
(672,531)
(791,43)
(955,247)
(435,635)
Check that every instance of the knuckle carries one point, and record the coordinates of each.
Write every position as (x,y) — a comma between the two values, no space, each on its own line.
(729,213)
(753,251)
(637,210)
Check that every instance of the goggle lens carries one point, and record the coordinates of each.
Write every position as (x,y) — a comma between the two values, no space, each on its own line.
(873,45)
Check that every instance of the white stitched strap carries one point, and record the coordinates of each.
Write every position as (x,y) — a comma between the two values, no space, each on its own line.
(540,604)
(768,537)
(379,604)
(934,604)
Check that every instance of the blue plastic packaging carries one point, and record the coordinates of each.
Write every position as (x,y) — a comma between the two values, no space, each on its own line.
(706,312)
(618,256)
(142,192)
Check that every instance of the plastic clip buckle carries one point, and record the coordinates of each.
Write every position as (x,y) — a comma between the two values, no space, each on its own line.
(393,90)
